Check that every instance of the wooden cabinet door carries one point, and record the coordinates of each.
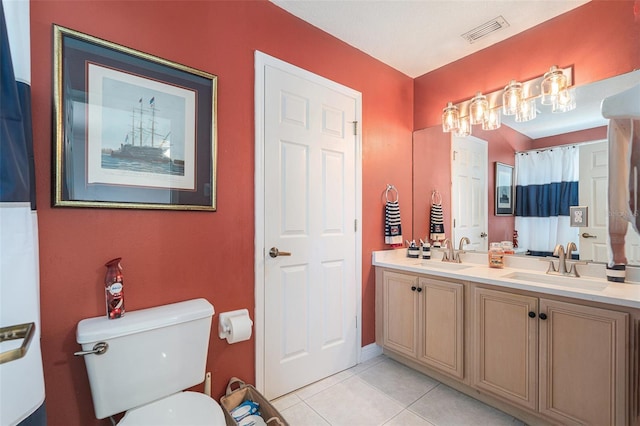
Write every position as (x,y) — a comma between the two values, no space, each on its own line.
(441,327)
(400,312)
(505,345)
(583,364)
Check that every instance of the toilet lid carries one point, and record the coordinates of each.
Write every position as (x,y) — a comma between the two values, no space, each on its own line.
(182,408)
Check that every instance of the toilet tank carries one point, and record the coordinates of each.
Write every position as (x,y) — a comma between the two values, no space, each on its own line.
(152,353)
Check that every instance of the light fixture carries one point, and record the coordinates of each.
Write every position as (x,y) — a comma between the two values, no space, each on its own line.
(450,118)
(565,101)
(511,98)
(493,119)
(553,83)
(478,109)
(464,129)
(518,98)
(527,111)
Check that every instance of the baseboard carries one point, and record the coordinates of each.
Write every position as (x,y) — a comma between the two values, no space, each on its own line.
(369,352)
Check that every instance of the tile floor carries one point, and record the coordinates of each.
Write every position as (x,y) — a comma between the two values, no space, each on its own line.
(382,391)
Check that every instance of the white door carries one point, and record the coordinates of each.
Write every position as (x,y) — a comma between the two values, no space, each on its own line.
(310,212)
(469,163)
(594,174)
(594,171)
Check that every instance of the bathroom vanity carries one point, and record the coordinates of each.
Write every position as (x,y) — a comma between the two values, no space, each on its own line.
(546,349)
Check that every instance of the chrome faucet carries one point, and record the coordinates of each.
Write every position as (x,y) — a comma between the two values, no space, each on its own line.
(562,261)
(449,255)
(463,241)
(571,246)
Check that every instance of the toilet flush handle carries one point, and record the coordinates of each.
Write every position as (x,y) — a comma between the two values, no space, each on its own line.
(98,349)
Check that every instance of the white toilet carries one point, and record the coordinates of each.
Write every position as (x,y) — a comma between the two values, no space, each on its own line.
(152,356)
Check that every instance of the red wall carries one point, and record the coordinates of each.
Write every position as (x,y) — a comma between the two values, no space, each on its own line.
(600,39)
(172,256)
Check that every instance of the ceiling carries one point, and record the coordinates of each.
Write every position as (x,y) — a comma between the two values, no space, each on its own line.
(418,36)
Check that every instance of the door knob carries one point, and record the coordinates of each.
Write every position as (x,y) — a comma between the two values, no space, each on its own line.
(588,235)
(483,235)
(274,252)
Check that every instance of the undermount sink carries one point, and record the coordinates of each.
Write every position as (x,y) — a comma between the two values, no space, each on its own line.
(559,280)
(447,266)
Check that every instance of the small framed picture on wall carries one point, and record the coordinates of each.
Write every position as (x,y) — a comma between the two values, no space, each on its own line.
(504,189)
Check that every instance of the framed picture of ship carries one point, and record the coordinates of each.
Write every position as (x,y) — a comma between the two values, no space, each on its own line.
(132,130)
(504,189)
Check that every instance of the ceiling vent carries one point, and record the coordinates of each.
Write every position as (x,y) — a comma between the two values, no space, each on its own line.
(485,29)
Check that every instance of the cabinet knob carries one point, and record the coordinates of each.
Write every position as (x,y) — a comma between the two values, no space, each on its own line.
(543,316)
(419,289)
(532,314)
(413,288)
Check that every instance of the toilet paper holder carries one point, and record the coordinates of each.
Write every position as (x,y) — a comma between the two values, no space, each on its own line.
(224,325)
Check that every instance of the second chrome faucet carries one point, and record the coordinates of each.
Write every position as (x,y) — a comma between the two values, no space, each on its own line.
(563,255)
(450,255)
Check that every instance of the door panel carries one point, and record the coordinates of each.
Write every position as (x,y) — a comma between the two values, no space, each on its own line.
(469,191)
(442,326)
(400,310)
(583,364)
(505,345)
(310,192)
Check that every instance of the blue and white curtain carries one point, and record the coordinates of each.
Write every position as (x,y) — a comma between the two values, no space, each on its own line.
(21,380)
(546,186)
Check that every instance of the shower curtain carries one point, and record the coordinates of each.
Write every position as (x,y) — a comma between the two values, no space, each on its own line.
(21,380)
(546,186)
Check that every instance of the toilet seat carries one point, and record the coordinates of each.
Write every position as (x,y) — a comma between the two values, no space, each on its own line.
(182,408)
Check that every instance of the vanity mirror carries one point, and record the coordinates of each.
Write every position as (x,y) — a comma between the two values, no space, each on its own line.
(546,131)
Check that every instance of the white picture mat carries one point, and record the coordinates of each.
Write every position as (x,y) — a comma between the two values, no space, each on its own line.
(105,110)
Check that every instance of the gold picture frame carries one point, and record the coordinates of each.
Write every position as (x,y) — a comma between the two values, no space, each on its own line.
(132,130)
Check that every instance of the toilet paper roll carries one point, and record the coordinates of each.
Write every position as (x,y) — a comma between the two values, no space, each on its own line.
(239,328)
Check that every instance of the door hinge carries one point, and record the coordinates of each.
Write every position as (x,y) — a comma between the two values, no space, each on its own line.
(355,128)
(356,322)
(454,223)
(355,225)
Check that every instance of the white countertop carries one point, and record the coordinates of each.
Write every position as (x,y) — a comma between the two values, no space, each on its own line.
(520,272)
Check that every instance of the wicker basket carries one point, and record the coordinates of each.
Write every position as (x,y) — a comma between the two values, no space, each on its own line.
(245,392)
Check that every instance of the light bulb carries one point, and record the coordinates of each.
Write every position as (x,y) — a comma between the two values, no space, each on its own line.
(465,128)
(478,109)
(527,111)
(450,118)
(553,83)
(511,98)
(493,120)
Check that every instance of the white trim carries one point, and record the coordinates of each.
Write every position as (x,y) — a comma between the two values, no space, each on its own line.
(263,60)
(370,351)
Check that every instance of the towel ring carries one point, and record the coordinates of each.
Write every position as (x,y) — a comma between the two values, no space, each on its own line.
(391,188)
(436,198)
